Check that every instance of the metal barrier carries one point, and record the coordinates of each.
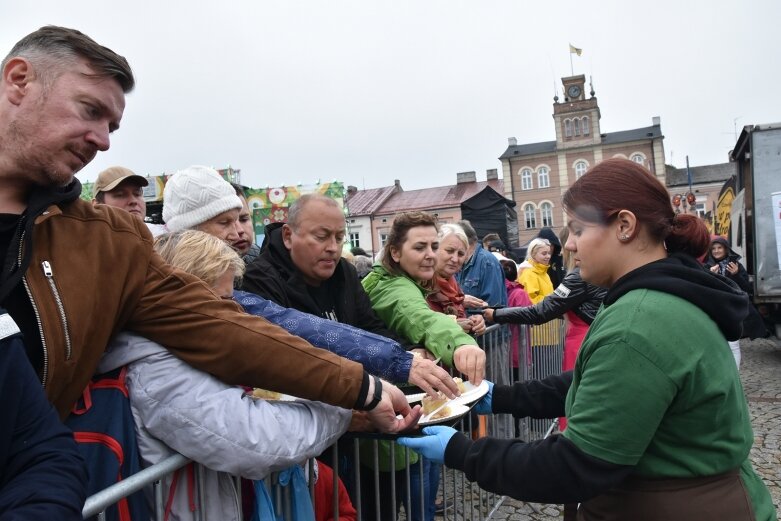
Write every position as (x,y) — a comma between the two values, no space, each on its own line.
(538,352)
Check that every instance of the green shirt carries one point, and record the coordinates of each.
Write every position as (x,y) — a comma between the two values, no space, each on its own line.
(656,387)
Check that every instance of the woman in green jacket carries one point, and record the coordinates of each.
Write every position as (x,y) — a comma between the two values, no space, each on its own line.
(397,287)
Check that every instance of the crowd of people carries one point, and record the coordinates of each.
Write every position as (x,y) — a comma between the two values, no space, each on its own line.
(205,322)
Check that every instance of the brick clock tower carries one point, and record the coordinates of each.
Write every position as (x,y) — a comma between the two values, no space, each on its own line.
(577,118)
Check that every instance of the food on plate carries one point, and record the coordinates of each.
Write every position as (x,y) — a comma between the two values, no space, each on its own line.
(460,383)
(431,404)
(263,394)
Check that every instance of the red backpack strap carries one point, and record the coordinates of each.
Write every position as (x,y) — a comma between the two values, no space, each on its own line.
(85,403)
(113,383)
(190,471)
(171,494)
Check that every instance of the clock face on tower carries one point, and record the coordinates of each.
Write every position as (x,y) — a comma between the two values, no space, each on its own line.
(573,91)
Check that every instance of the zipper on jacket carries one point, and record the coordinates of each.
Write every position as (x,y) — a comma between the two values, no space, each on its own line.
(45,372)
(47,271)
(40,329)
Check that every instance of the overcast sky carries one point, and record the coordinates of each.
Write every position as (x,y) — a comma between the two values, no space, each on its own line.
(366,92)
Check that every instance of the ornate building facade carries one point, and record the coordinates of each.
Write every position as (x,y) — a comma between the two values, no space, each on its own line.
(536,175)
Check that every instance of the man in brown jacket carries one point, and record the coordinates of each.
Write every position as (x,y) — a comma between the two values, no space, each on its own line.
(61,96)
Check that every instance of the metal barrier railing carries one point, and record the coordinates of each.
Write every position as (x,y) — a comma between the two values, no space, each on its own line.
(538,352)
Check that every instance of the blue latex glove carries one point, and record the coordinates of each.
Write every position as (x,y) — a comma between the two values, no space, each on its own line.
(486,402)
(433,444)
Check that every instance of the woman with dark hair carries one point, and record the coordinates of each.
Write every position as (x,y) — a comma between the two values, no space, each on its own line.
(658,426)
(397,288)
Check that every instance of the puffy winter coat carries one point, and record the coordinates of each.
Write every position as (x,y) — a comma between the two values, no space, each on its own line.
(180,409)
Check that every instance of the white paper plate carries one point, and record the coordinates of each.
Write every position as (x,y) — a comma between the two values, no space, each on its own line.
(472,393)
(415,398)
(456,411)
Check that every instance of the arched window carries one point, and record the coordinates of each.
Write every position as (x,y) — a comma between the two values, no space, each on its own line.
(586,126)
(530,215)
(567,128)
(580,169)
(577,126)
(526,179)
(546,211)
(543,177)
(638,158)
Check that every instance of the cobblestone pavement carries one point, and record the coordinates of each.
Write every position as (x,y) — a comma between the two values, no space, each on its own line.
(760,372)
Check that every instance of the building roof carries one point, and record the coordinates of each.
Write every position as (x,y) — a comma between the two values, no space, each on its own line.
(367,202)
(610,138)
(700,174)
(636,134)
(437,197)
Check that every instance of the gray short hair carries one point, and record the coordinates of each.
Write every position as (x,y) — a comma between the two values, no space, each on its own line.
(453,229)
(294,213)
(470,232)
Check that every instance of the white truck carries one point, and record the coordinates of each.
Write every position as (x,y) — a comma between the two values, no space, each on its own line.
(749,214)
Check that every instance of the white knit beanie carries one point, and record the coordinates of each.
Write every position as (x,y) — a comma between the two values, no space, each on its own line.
(194,195)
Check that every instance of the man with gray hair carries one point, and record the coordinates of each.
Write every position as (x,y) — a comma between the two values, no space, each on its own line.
(61,96)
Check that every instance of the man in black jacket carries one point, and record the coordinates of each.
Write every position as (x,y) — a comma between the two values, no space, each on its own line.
(300,267)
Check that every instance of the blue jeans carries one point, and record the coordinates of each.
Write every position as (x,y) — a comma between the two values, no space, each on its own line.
(431,472)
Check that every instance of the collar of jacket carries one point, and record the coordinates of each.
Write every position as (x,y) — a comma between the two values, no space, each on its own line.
(471,260)
(40,205)
(539,267)
(280,258)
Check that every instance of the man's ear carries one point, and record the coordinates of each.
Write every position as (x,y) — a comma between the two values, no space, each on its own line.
(626,225)
(287,233)
(18,74)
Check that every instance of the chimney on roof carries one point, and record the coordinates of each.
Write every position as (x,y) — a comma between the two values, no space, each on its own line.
(351,190)
(397,184)
(491,174)
(512,141)
(656,120)
(466,177)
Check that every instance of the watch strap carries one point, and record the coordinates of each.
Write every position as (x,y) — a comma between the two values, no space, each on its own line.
(377,397)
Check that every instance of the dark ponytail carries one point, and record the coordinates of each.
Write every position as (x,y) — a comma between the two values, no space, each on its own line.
(688,234)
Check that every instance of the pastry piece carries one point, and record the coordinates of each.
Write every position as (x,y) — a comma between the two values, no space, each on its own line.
(431,404)
(460,384)
(263,394)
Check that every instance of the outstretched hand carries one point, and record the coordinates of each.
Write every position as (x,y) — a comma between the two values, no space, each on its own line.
(431,378)
(433,444)
(393,402)
(478,324)
(470,360)
(471,301)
